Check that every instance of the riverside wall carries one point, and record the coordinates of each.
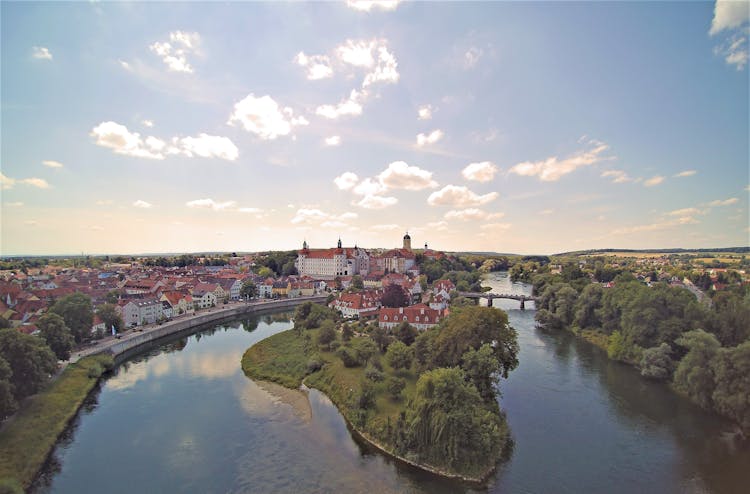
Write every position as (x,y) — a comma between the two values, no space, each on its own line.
(170,328)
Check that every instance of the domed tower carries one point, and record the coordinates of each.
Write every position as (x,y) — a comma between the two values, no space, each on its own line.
(407,242)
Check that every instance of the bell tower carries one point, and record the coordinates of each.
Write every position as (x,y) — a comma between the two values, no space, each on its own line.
(407,242)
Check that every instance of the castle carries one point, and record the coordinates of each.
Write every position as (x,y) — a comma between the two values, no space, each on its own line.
(348,261)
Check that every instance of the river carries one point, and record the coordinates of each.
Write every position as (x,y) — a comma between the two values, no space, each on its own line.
(183,417)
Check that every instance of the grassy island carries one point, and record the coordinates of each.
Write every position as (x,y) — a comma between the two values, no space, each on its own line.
(428,399)
(27,439)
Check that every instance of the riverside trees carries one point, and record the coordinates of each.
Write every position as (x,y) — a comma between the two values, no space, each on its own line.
(665,332)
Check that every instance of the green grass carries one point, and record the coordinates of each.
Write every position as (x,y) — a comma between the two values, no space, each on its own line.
(29,436)
(282,358)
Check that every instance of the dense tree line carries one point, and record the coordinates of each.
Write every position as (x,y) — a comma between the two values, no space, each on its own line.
(280,263)
(702,350)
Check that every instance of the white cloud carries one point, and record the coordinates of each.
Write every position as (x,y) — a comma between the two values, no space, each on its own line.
(553,169)
(349,106)
(659,225)
(729,14)
(358,53)
(8,182)
(41,53)
(618,176)
(30,223)
(459,196)
(14,204)
(264,117)
(732,16)
(318,66)
(725,202)
(105,202)
(118,138)
(480,172)
(256,211)
(211,204)
(386,69)
(655,180)
(317,216)
(686,173)
(685,212)
(333,141)
(545,212)
(174,52)
(400,175)
(431,138)
(39,183)
(207,146)
(369,187)
(52,164)
(376,202)
(471,57)
(346,181)
(147,123)
(142,204)
(368,5)
(471,214)
(425,112)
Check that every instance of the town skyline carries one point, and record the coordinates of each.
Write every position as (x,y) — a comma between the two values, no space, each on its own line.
(492,127)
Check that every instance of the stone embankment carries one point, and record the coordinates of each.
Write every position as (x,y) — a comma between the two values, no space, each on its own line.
(147,334)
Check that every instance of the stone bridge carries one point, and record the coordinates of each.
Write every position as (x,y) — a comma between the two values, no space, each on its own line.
(491,296)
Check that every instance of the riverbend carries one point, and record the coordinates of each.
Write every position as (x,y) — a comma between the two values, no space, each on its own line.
(182,416)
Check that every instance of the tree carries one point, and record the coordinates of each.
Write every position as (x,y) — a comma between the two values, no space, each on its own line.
(347,333)
(395,386)
(472,327)
(398,356)
(449,425)
(422,348)
(589,302)
(394,296)
(694,375)
(366,398)
(483,368)
(77,312)
(265,272)
(365,349)
(326,333)
(30,360)
(357,282)
(406,333)
(109,315)
(4,323)
(248,289)
(381,338)
(112,296)
(56,334)
(656,362)
(8,403)
(731,369)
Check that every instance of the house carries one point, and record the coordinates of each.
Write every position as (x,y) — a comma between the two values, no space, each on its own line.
(280,289)
(98,326)
(265,288)
(443,287)
(420,316)
(360,304)
(139,312)
(203,296)
(180,302)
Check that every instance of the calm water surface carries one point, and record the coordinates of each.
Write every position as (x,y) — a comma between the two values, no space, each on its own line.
(184,418)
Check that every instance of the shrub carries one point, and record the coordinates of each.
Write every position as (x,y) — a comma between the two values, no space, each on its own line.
(347,357)
(374,374)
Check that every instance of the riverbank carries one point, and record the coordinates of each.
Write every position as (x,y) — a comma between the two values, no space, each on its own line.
(293,360)
(28,437)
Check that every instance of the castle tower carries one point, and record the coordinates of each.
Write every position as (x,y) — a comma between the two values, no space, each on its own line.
(407,242)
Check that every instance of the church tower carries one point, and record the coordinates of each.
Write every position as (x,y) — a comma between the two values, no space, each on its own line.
(407,242)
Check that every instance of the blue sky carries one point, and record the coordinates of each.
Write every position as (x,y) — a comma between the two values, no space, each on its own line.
(510,127)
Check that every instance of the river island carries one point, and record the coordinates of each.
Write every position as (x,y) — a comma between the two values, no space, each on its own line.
(429,399)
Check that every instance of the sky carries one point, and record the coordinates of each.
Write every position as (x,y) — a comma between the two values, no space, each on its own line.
(529,127)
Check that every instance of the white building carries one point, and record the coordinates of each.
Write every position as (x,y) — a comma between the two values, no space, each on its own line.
(138,312)
(330,263)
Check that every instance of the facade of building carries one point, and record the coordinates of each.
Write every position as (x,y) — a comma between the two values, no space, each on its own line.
(139,312)
(420,316)
(329,263)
